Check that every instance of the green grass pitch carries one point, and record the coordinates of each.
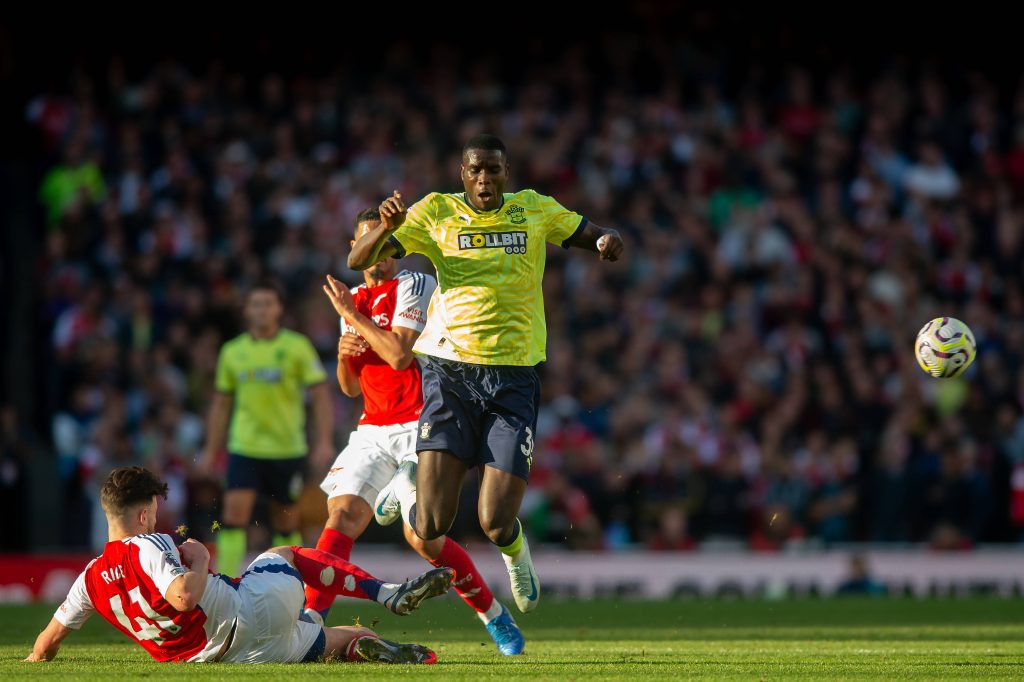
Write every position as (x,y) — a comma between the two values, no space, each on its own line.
(743,639)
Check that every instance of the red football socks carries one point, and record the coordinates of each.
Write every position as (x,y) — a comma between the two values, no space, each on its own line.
(340,545)
(327,573)
(468,582)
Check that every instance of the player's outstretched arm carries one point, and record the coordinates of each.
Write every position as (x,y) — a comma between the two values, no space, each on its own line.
(48,642)
(373,247)
(601,240)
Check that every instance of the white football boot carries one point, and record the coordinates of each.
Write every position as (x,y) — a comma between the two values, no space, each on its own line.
(523,577)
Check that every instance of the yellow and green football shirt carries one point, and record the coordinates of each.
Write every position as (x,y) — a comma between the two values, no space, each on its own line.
(488,308)
(267,378)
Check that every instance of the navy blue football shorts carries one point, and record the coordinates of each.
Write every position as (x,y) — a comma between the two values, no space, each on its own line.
(278,479)
(483,414)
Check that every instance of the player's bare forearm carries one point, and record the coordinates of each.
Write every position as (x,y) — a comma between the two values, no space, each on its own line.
(185,597)
(372,248)
(48,642)
(187,589)
(601,240)
(347,379)
(393,347)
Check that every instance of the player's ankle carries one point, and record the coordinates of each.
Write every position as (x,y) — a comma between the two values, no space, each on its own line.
(492,612)
(386,592)
(512,544)
(350,651)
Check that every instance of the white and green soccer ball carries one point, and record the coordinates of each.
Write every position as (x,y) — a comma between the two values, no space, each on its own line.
(945,347)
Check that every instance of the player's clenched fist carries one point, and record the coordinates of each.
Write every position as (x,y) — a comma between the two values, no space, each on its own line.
(610,246)
(194,552)
(392,211)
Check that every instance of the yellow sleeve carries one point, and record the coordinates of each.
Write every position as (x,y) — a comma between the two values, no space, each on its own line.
(414,234)
(560,224)
(225,381)
(312,370)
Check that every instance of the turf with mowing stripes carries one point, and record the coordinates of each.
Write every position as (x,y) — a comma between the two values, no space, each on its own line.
(812,639)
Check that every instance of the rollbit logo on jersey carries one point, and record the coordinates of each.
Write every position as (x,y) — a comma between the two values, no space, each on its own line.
(512,242)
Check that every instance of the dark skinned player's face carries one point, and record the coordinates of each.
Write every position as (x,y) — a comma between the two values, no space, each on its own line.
(484,174)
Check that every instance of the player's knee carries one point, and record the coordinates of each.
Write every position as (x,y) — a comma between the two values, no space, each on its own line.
(284,552)
(431,526)
(349,518)
(497,523)
(428,549)
(427,530)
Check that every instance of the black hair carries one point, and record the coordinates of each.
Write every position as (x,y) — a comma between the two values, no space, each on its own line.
(367,214)
(486,142)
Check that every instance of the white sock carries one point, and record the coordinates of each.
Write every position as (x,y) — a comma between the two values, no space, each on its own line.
(492,612)
(387,591)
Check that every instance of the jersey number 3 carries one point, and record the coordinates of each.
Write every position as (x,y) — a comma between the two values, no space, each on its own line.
(148,628)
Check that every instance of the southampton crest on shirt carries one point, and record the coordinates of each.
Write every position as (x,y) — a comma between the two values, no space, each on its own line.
(515,215)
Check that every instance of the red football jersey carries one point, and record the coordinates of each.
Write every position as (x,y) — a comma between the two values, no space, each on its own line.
(126,585)
(391,396)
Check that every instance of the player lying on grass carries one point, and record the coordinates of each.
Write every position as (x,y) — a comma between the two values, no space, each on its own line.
(165,598)
(381,321)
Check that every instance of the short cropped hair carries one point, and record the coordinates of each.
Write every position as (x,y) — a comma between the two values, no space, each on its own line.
(367,214)
(127,487)
(486,142)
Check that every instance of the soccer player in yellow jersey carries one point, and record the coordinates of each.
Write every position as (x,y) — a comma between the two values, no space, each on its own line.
(262,376)
(485,332)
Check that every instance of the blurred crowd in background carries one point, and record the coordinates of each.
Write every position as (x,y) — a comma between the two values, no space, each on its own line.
(744,378)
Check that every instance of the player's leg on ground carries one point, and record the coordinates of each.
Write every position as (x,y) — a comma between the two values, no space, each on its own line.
(470,585)
(357,644)
(327,573)
(501,493)
(231,538)
(379,650)
(347,518)
(339,640)
(439,477)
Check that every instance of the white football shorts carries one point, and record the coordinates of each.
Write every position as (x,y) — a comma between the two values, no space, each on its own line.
(370,460)
(270,601)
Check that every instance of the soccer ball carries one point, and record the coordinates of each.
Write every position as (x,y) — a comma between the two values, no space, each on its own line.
(945,347)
